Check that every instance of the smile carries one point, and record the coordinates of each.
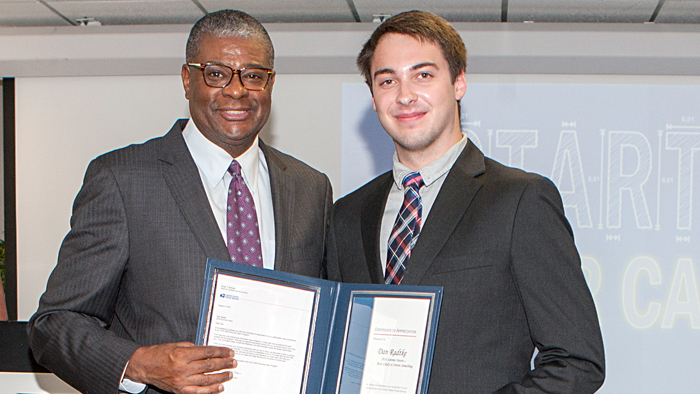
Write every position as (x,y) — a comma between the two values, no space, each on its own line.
(409,117)
(234,114)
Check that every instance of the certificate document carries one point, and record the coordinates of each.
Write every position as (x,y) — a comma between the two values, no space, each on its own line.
(298,335)
(267,325)
(386,343)
(395,345)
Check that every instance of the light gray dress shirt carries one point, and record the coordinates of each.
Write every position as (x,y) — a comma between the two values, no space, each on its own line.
(433,174)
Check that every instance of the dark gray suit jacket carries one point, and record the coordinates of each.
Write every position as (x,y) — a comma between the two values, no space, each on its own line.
(498,241)
(130,272)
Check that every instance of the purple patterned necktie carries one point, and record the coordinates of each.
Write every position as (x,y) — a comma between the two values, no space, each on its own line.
(406,229)
(243,236)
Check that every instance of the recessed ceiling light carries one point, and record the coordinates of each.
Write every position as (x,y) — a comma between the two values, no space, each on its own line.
(379,18)
(87,21)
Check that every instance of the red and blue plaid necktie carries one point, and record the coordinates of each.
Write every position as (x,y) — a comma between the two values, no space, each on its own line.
(243,236)
(406,229)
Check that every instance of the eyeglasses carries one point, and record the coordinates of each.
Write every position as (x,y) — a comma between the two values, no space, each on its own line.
(219,75)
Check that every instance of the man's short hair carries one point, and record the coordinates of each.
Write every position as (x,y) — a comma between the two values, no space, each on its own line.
(423,26)
(228,23)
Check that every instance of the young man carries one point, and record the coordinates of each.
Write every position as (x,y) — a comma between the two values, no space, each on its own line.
(495,237)
(121,307)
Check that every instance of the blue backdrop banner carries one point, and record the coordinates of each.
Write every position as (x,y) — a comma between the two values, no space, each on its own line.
(626,161)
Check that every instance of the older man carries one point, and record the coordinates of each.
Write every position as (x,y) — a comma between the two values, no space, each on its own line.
(495,237)
(121,306)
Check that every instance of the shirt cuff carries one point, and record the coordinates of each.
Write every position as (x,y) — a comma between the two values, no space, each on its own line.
(128,386)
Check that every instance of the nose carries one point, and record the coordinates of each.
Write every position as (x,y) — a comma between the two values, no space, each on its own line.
(235,88)
(406,95)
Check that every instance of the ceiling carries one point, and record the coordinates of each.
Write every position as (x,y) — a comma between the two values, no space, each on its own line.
(150,12)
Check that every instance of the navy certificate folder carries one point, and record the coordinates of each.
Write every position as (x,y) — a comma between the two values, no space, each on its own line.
(314,336)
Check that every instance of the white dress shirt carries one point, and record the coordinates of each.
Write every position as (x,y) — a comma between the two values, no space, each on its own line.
(213,163)
(433,175)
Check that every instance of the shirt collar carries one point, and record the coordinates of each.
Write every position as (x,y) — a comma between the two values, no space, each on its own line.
(214,162)
(433,171)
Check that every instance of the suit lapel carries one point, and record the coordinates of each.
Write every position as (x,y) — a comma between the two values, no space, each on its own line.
(185,184)
(458,190)
(371,222)
(283,200)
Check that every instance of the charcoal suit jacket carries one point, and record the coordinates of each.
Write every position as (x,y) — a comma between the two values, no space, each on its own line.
(131,270)
(498,242)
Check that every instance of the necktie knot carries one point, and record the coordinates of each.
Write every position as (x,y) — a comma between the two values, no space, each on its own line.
(234,169)
(413,180)
(242,233)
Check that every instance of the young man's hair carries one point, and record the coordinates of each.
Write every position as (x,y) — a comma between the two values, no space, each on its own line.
(227,24)
(423,26)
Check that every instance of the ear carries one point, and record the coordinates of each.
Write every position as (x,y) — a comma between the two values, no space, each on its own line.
(460,86)
(185,73)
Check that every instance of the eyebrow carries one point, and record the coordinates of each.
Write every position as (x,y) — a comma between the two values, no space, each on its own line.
(421,65)
(412,68)
(248,65)
(384,71)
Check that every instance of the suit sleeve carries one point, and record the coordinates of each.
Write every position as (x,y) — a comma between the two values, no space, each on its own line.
(69,334)
(558,305)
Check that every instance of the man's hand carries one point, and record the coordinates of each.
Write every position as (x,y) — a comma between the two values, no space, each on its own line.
(182,367)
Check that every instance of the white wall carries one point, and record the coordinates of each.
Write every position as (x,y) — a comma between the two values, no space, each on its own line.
(322,48)
(63,123)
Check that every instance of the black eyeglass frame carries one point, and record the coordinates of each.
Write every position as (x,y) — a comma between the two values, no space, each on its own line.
(202,66)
